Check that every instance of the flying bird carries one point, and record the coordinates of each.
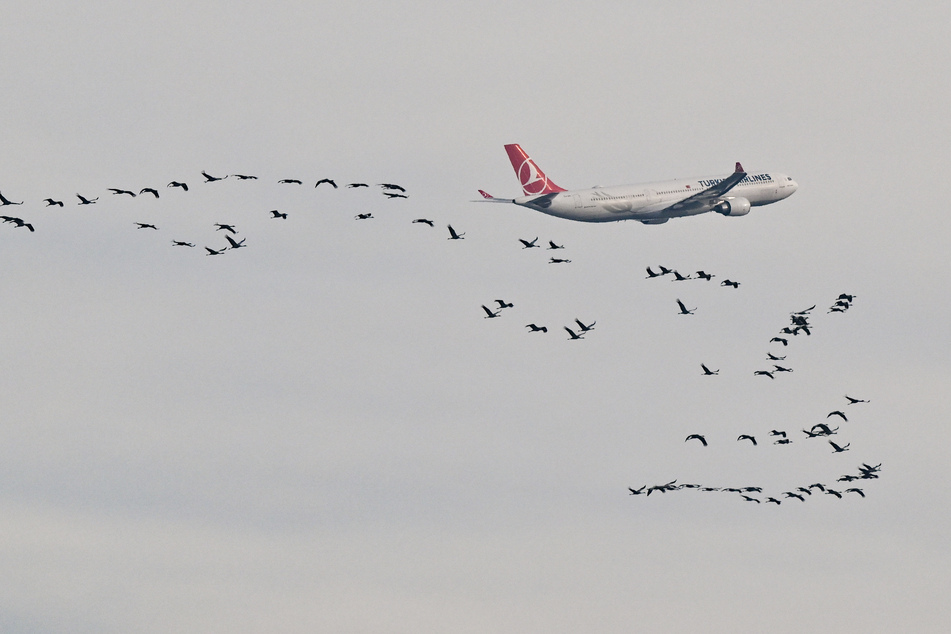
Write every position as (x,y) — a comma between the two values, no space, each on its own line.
(706,276)
(773,357)
(184,186)
(210,179)
(852,401)
(235,245)
(838,449)
(145,225)
(19,222)
(785,342)
(684,310)
(453,235)
(179,243)
(489,314)
(730,283)
(834,492)
(651,274)
(776,432)
(424,221)
(50,202)
(552,246)
(213,252)
(783,441)
(392,186)
(121,191)
(664,270)
(837,413)
(558,261)
(244,177)
(764,373)
(636,491)
(774,500)
(329,181)
(747,437)
(276,214)
(856,490)
(363,216)
(87,201)
(504,304)
(790,494)
(583,327)
(534,328)
(392,195)
(289,181)
(779,368)
(355,185)
(680,278)
(149,190)
(707,371)
(572,334)
(529,245)
(749,499)
(4,202)
(703,441)
(229,228)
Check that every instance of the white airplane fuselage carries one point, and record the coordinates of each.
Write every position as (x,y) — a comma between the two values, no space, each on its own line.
(655,202)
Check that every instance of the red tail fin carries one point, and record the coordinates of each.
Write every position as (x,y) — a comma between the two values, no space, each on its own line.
(533,180)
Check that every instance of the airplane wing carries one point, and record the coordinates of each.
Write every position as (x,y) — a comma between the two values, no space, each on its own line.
(489,198)
(709,196)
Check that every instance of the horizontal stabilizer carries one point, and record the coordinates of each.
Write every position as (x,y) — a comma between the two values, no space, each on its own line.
(489,198)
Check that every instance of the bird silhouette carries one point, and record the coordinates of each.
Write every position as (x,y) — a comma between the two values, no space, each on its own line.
(534,328)
(651,274)
(833,492)
(183,186)
(235,245)
(244,177)
(684,310)
(706,276)
(365,216)
(4,202)
(121,191)
(779,368)
(290,181)
(703,441)
(776,432)
(489,314)
(179,243)
(838,449)
(764,373)
(329,181)
(558,261)
(453,235)
(210,179)
(707,371)
(837,413)
(19,222)
(87,201)
(853,401)
(149,190)
(424,221)
(552,246)
(773,500)
(392,186)
(355,185)
(783,441)
(145,225)
(504,304)
(583,327)
(680,278)
(572,334)
(392,195)
(50,202)
(229,228)
(529,244)
(636,491)
(856,490)
(276,214)
(214,252)
(773,357)
(790,494)
(752,439)
(785,342)
(749,499)
(730,283)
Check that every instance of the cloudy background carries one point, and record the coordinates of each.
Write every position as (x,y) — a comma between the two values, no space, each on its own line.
(322,433)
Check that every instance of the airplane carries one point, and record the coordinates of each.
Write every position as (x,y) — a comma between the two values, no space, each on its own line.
(650,203)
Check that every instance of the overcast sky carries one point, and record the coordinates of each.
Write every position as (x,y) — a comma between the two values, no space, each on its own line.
(321,432)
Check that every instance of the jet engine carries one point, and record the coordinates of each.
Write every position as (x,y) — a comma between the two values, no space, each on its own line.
(734,206)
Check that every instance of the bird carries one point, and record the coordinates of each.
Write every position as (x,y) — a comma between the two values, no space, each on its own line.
(326,180)
(121,191)
(790,494)
(184,186)
(558,261)
(852,401)
(214,252)
(812,434)
(817,485)
(834,492)
(19,222)
(651,274)
(783,441)
(504,304)
(847,298)
(856,490)
(824,429)
(453,235)
(276,214)
(785,342)
(289,181)
(210,179)
(838,449)
(424,221)
(363,216)
(680,278)
(779,368)
(706,276)
(179,243)
(764,373)
(707,371)
(392,186)
(392,195)
(805,311)
(572,334)
(355,185)
(805,490)
(703,441)
(235,245)
(87,201)
(776,432)
(837,413)
(145,225)
(149,190)
(583,327)
(552,246)
(529,245)
(534,328)
(244,177)
(4,202)
(752,439)
(636,491)
(489,314)
(50,202)
(730,283)
(772,499)
(229,228)
(749,499)
(684,310)
(664,270)
(773,357)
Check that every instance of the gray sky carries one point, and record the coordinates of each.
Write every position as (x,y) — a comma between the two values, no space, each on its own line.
(322,433)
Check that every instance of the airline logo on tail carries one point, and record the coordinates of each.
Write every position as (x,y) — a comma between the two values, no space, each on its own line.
(533,180)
